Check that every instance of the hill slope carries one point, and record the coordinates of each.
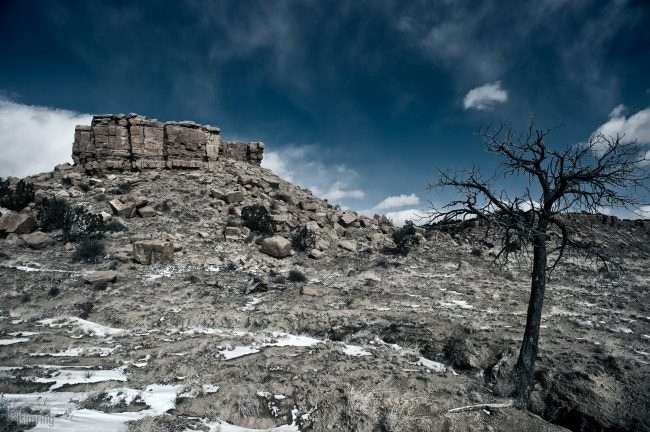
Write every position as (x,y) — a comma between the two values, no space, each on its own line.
(343,336)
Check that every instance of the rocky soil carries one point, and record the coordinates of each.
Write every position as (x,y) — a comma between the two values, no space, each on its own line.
(229,338)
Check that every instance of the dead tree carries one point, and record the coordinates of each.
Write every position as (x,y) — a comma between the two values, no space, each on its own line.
(604,172)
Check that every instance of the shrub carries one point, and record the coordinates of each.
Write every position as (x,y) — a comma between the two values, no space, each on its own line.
(125,187)
(303,239)
(76,222)
(114,226)
(25,298)
(477,251)
(89,250)
(284,197)
(85,309)
(405,238)
(53,292)
(258,219)
(296,276)
(16,198)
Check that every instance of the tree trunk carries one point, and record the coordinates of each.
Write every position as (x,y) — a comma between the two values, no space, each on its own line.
(528,353)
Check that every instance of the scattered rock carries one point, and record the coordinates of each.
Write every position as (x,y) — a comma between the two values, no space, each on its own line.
(313,290)
(17,223)
(347,219)
(37,240)
(147,212)
(277,247)
(100,277)
(153,251)
(349,245)
(316,254)
(234,197)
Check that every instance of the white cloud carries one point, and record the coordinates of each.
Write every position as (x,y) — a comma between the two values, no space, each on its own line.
(398,201)
(34,138)
(401,216)
(301,165)
(635,127)
(643,212)
(485,97)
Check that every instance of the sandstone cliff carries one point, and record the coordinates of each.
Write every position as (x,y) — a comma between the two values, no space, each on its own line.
(134,142)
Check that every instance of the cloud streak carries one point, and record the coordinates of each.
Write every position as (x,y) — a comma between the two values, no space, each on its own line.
(34,139)
(302,166)
(485,97)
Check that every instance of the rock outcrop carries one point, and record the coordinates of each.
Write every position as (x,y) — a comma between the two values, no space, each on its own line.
(134,142)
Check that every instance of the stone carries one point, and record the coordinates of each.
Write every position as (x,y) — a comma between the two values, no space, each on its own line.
(216,193)
(312,226)
(233,232)
(276,246)
(309,205)
(122,209)
(316,254)
(17,223)
(147,212)
(349,245)
(234,197)
(100,277)
(153,251)
(37,240)
(347,219)
(313,290)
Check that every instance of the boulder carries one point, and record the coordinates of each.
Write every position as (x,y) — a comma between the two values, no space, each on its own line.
(153,251)
(309,205)
(349,245)
(316,254)
(37,240)
(232,233)
(314,290)
(122,209)
(347,219)
(17,223)
(277,247)
(234,197)
(147,212)
(100,277)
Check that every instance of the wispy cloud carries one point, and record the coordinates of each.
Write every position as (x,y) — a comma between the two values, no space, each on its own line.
(634,128)
(302,166)
(34,139)
(398,201)
(485,97)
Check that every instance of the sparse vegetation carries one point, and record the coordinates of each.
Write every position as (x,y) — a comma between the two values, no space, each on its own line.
(84,309)
(53,292)
(257,218)
(15,198)
(296,276)
(303,239)
(405,238)
(89,251)
(75,222)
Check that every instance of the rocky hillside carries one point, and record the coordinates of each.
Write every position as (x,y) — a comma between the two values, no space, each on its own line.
(228,299)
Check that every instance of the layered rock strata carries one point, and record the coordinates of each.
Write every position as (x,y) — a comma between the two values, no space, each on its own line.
(134,142)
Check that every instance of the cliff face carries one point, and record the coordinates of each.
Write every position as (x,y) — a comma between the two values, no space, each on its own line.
(134,142)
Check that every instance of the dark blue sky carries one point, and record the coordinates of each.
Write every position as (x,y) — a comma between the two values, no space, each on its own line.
(378,86)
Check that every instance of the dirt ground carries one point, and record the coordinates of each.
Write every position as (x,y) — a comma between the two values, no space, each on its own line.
(223,340)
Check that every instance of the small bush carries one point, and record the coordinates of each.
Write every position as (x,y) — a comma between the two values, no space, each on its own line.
(114,226)
(258,219)
(296,276)
(84,187)
(405,238)
(85,309)
(477,251)
(125,187)
(76,222)
(25,298)
(232,211)
(89,251)
(16,198)
(303,239)
(284,197)
(53,292)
